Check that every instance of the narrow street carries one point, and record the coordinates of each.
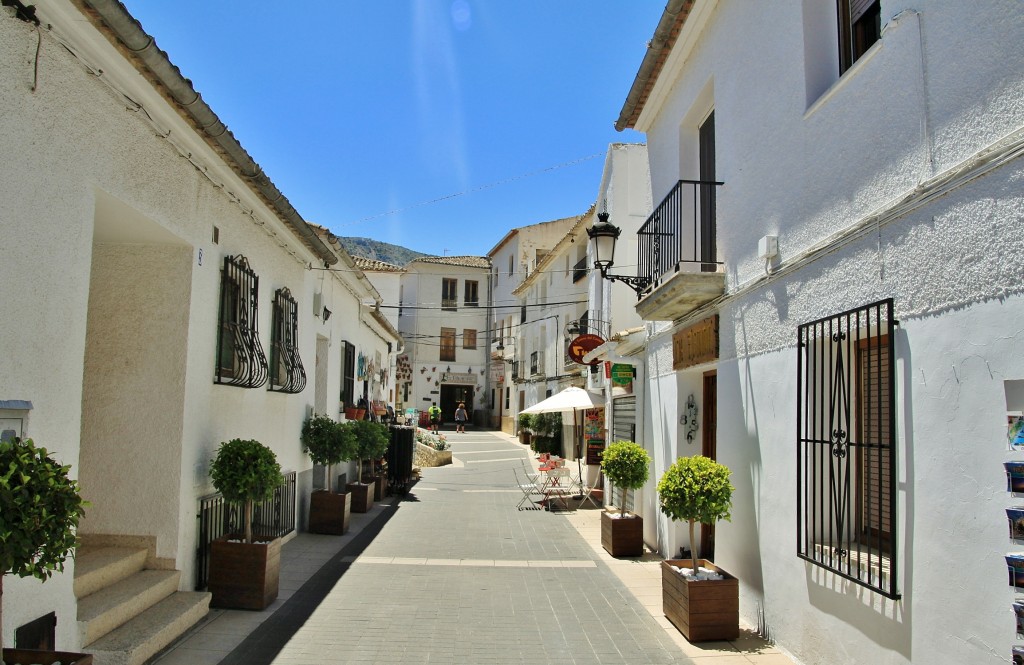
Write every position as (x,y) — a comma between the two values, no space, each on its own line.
(452,573)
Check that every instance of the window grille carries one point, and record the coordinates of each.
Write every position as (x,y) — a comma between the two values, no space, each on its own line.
(846,453)
(240,358)
(287,375)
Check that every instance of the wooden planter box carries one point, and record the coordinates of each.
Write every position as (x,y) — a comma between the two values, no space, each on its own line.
(701,610)
(380,487)
(622,537)
(524,437)
(244,576)
(35,657)
(362,496)
(329,513)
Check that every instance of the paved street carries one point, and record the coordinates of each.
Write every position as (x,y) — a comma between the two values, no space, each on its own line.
(453,573)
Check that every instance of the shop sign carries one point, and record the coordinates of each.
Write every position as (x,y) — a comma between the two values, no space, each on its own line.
(696,344)
(583,345)
(622,374)
(453,377)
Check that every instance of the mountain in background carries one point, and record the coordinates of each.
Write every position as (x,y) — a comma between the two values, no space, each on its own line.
(380,251)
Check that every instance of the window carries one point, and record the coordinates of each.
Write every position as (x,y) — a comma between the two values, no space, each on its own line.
(846,453)
(240,358)
(511,263)
(286,372)
(448,344)
(472,298)
(348,374)
(522,314)
(579,271)
(860,26)
(449,293)
(469,338)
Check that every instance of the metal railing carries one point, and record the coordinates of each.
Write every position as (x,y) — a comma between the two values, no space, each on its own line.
(680,230)
(272,518)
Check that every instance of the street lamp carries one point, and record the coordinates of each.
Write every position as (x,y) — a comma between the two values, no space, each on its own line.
(602,239)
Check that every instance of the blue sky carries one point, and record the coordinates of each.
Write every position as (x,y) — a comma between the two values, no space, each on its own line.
(433,124)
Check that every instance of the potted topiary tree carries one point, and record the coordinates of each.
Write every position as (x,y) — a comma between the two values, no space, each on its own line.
(371,442)
(525,425)
(704,605)
(626,464)
(39,511)
(328,442)
(244,573)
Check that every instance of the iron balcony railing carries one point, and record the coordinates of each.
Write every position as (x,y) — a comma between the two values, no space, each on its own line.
(681,230)
(272,518)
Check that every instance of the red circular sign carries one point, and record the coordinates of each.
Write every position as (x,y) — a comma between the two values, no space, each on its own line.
(583,345)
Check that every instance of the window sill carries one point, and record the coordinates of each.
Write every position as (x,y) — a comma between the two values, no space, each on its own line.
(845,77)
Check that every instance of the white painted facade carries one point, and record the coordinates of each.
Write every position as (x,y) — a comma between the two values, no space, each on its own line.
(116,216)
(899,179)
(422,324)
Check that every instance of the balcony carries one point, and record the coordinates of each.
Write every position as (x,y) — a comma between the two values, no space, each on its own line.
(676,248)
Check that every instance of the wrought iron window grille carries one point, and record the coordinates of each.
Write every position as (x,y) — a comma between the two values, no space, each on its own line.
(240,358)
(846,452)
(287,375)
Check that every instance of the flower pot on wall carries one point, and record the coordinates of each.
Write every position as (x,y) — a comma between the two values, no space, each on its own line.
(329,513)
(362,496)
(622,536)
(244,575)
(702,610)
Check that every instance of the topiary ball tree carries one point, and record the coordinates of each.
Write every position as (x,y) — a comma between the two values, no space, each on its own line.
(371,442)
(245,471)
(627,465)
(696,489)
(327,442)
(39,511)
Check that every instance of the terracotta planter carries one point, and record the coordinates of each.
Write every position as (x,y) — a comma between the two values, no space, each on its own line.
(362,496)
(380,487)
(350,413)
(329,513)
(702,610)
(35,657)
(622,536)
(244,576)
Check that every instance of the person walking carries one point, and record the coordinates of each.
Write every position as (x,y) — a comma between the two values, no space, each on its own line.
(460,418)
(434,413)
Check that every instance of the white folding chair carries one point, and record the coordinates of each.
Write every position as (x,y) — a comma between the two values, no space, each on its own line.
(559,486)
(583,491)
(529,489)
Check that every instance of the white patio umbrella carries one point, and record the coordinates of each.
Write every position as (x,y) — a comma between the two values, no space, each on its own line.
(571,400)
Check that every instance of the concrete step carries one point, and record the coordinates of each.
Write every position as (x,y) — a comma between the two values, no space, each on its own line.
(98,567)
(106,609)
(136,641)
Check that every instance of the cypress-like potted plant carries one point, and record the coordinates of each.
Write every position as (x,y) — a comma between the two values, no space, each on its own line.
(371,442)
(328,442)
(39,511)
(697,489)
(626,464)
(244,573)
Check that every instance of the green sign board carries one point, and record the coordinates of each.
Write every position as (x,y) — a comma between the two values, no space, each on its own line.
(622,375)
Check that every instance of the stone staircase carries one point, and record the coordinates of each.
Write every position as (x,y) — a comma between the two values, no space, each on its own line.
(129,606)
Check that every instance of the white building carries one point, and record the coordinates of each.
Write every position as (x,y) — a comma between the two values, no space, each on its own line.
(853,346)
(160,296)
(443,317)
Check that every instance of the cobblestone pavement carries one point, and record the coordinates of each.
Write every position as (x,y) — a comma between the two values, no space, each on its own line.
(452,573)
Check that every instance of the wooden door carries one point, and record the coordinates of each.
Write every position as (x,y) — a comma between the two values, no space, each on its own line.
(709,449)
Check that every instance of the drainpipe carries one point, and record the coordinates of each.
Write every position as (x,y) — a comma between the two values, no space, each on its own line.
(133,41)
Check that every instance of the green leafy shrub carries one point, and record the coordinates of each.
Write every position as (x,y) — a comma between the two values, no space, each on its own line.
(371,442)
(548,424)
(245,471)
(526,421)
(327,442)
(546,444)
(696,489)
(627,465)
(39,511)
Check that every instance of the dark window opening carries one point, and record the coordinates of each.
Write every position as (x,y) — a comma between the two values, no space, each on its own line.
(860,26)
(348,374)
(472,294)
(287,375)
(240,358)
(449,294)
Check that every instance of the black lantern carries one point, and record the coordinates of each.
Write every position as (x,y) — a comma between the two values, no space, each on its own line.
(603,235)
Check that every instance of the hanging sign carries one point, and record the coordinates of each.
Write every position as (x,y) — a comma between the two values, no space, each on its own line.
(583,345)
(622,374)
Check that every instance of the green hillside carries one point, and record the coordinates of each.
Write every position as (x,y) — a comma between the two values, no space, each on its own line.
(381,251)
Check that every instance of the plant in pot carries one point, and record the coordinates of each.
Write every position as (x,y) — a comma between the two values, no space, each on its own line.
(371,442)
(525,425)
(244,573)
(626,464)
(327,443)
(547,433)
(705,605)
(39,511)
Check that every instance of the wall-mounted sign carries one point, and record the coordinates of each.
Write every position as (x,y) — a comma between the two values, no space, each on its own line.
(453,377)
(696,344)
(622,374)
(583,345)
